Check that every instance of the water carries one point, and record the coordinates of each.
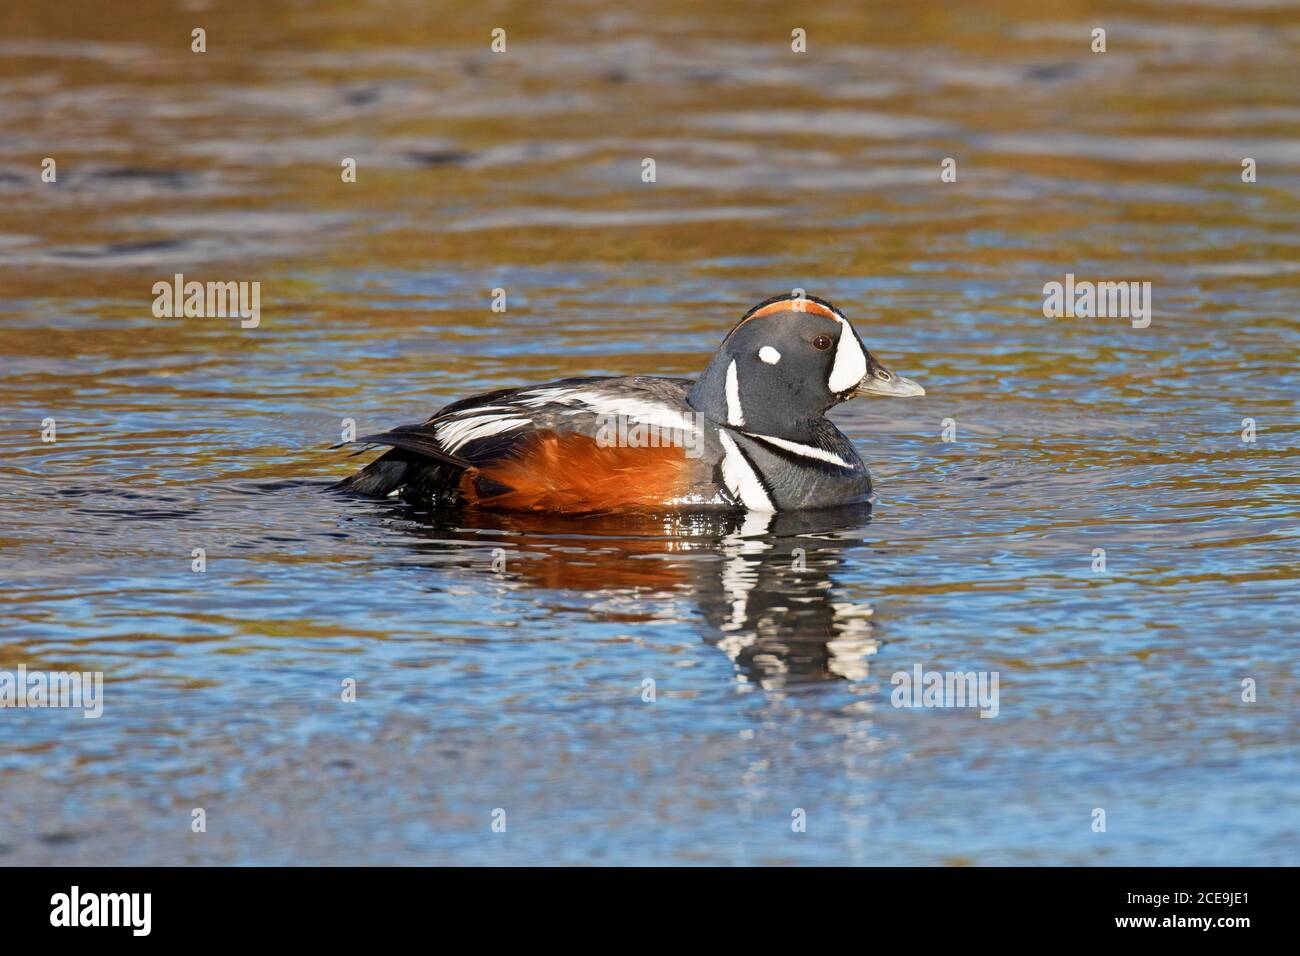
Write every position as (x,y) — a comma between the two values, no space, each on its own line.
(522,689)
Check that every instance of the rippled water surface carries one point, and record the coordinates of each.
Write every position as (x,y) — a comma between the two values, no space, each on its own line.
(771,645)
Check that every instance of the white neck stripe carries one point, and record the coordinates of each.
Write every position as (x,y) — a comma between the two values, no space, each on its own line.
(807,451)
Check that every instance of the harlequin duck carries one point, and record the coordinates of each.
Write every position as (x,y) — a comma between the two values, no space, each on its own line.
(750,433)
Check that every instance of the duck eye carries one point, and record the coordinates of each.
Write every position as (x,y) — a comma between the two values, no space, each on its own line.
(822,343)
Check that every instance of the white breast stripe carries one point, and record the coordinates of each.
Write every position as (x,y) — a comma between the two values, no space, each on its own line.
(807,451)
(735,414)
(850,364)
(739,477)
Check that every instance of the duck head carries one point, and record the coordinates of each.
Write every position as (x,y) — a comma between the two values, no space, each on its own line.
(787,362)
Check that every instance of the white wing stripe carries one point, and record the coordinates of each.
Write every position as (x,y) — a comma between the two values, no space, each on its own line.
(453,434)
(635,410)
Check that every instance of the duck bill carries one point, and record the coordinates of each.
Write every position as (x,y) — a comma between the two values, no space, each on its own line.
(880,381)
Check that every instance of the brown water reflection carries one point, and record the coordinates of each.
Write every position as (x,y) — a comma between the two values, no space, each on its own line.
(763,585)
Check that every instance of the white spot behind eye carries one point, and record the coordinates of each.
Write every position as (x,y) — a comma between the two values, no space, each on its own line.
(769,355)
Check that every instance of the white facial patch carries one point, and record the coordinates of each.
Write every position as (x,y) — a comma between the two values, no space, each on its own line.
(735,414)
(850,361)
(769,355)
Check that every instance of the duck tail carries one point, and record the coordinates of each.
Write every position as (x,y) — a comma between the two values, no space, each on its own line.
(415,459)
(379,479)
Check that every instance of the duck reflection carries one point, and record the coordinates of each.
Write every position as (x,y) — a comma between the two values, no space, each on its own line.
(764,585)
